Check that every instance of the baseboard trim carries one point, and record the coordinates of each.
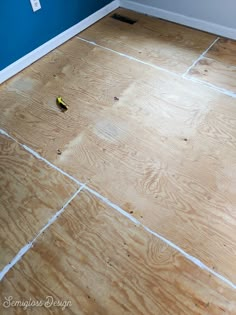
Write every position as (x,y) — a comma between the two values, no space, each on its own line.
(41,51)
(178,18)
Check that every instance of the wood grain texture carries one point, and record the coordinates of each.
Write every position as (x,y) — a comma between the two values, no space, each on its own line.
(224,51)
(104,264)
(152,40)
(165,151)
(219,66)
(215,72)
(30,193)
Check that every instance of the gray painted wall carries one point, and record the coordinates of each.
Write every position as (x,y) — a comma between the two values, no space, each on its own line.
(221,12)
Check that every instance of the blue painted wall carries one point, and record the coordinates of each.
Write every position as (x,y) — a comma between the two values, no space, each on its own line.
(22,30)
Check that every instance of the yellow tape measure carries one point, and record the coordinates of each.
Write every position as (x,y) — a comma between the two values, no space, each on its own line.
(62,104)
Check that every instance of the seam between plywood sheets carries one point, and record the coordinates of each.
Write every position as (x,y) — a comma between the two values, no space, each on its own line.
(27,247)
(183,76)
(200,57)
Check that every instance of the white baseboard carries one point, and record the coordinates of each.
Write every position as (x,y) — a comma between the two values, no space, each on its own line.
(178,18)
(41,51)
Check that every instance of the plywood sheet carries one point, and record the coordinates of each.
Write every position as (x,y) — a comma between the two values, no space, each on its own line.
(214,72)
(161,147)
(224,51)
(219,66)
(30,193)
(169,45)
(104,264)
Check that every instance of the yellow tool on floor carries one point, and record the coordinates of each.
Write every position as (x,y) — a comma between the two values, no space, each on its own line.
(62,104)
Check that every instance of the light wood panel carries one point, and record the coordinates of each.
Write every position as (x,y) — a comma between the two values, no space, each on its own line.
(152,40)
(217,73)
(30,193)
(224,51)
(219,66)
(104,264)
(165,151)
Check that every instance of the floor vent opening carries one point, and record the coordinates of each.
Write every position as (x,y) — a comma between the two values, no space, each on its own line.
(123,18)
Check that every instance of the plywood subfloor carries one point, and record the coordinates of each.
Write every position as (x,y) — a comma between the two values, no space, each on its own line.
(104,264)
(30,194)
(156,144)
(151,40)
(219,66)
(157,140)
